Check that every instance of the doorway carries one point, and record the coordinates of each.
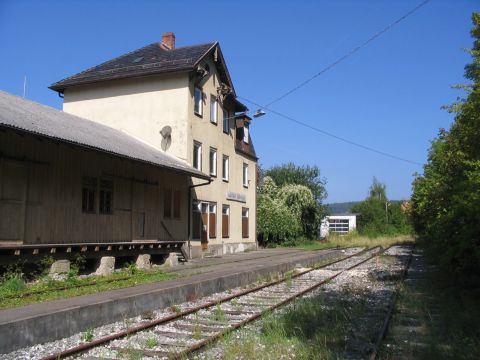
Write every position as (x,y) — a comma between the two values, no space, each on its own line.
(204,222)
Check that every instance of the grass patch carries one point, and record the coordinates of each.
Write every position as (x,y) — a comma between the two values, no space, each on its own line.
(14,292)
(151,342)
(311,329)
(352,240)
(449,316)
(88,335)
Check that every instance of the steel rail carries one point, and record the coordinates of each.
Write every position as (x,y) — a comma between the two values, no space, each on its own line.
(391,308)
(203,343)
(94,343)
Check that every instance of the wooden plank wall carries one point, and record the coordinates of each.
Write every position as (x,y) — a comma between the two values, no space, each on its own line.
(41,195)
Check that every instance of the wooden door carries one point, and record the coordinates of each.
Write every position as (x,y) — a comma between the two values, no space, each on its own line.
(13,194)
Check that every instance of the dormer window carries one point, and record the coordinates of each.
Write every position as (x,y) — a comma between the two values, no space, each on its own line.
(198,101)
(245,133)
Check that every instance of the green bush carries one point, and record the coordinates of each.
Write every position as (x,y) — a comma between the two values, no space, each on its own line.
(11,283)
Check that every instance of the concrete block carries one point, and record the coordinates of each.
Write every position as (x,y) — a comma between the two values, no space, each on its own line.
(143,262)
(106,267)
(172,260)
(59,267)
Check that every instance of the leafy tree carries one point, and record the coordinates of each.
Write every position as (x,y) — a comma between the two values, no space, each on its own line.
(301,202)
(378,216)
(276,223)
(308,176)
(286,212)
(377,190)
(446,198)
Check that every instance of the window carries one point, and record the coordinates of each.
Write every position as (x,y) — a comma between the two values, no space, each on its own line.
(245,175)
(197,156)
(167,203)
(225,170)
(212,221)
(89,189)
(198,101)
(213,162)
(338,225)
(244,222)
(225,220)
(245,133)
(213,109)
(226,119)
(106,196)
(177,196)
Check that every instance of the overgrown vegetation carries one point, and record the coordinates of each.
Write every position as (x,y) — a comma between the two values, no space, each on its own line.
(353,239)
(378,216)
(16,290)
(88,335)
(448,317)
(446,198)
(311,329)
(290,204)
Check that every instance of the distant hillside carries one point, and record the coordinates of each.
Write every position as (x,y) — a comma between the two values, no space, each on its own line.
(341,208)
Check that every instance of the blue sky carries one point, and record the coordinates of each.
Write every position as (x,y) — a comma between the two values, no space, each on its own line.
(386,96)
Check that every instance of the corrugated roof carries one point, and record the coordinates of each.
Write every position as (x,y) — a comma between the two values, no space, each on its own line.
(148,60)
(28,116)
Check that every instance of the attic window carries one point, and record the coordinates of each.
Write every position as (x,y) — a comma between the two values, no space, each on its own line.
(138,59)
(245,133)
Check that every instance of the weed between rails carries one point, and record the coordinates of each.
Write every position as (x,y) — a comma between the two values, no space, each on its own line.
(310,329)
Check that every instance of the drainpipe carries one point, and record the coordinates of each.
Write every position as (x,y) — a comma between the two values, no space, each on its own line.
(189,208)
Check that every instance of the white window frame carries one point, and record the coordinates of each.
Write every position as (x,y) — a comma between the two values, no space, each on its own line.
(225,167)
(245,175)
(213,109)
(226,212)
(245,133)
(197,156)
(213,169)
(198,101)
(226,121)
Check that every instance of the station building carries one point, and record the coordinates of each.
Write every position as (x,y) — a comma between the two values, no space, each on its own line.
(182,103)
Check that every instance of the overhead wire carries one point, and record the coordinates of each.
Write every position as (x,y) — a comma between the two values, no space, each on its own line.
(329,67)
(311,127)
(348,54)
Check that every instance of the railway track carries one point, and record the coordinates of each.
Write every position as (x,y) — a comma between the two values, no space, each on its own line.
(183,332)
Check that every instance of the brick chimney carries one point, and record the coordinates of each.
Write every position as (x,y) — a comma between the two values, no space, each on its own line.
(168,39)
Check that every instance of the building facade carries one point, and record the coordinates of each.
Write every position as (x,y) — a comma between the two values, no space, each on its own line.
(181,101)
(338,223)
(68,180)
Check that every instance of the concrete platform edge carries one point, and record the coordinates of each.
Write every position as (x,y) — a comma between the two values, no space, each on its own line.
(60,324)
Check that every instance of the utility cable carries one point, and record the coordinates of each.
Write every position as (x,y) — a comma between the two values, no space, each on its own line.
(347,55)
(311,127)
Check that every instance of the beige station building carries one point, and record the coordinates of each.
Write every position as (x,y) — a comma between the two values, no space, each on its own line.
(182,103)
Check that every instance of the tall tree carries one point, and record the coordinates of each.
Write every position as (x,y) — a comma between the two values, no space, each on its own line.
(308,176)
(446,198)
(378,216)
